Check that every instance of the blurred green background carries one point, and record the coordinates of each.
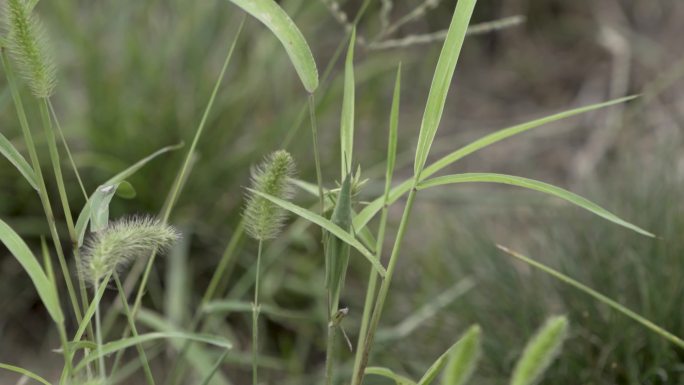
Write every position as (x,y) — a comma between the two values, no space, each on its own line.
(135,76)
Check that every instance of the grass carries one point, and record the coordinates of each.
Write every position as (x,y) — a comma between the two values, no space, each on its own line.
(282,277)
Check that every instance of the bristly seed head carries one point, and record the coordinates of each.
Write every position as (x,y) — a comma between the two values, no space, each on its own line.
(123,241)
(28,45)
(264,219)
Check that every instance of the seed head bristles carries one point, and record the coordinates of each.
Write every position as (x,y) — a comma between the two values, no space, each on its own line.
(264,219)
(28,46)
(123,241)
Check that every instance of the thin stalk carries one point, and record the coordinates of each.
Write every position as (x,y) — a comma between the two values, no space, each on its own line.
(255,318)
(384,290)
(42,192)
(131,324)
(317,159)
(66,352)
(98,336)
(329,351)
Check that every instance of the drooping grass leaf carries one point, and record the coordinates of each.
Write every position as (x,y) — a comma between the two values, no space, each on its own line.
(347,118)
(15,157)
(387,373)
(532,185)
(115,346)
(272,16)
(329,226)
(467,344)
(24,372)
(398,191)
(20,251)
(540,351)
(597,296)
(442,81)
(463,358)
(85,216)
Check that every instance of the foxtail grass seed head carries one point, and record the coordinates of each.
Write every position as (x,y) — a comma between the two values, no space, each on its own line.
(540,351)
(28,45)
(264,219)
(121,242)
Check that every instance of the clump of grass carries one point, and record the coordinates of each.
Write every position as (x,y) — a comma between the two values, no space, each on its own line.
(29,47)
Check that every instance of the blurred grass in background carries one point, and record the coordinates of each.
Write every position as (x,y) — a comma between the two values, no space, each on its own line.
(135,76)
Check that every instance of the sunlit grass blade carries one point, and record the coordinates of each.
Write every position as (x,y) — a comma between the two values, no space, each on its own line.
(347,118)
(532,185)
(398,191)
(505,133)
(388,373)
(597,296)
(468,345)
(274,18)
(329,226)
(463,358)
(24,372)
(13,156)
(540,351)
(85,215)
(442,81)
(115,346)
(28,261)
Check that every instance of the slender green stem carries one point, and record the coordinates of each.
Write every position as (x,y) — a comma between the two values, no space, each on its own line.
(330,351)
(131,324)
(66,352)
(255,317)
(317,159)
(384,290)
(98,337)
(42,193)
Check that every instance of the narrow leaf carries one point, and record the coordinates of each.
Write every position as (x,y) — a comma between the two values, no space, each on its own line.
(115,346)
(597,296)
(540,351)
(28,261)
(442,81)
(387,373)
(532,185)
(274,18)
(463,358)
(329,226)
(24,372)
(393,132)
(88,315)
(347,119)
(336,250)
(11,153)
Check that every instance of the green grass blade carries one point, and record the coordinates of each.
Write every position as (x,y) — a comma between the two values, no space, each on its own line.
(393,133)
(505,133)
(274,18)
(85,216)
(347,118)
(234,306)
(468,343)
(336,250)
(397,192)
(597,296)
(215,368)
(329,226)
(442,81)
(533,185)
(10,152)
(88,315)
(115,346)
(28,261)
(540,351)
(463,358)
(387,373)
(24,372)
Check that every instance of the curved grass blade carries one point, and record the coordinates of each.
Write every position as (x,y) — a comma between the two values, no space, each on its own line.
(85,216)
(397,192)
(469,342)
(115,346)
(28,261)
(597,296)
(347,118)
(387,373)
(274,18)
(24,372)
(540,351)
(442,81)
(533,185)
(463,358)
(15,157)
(329,226)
